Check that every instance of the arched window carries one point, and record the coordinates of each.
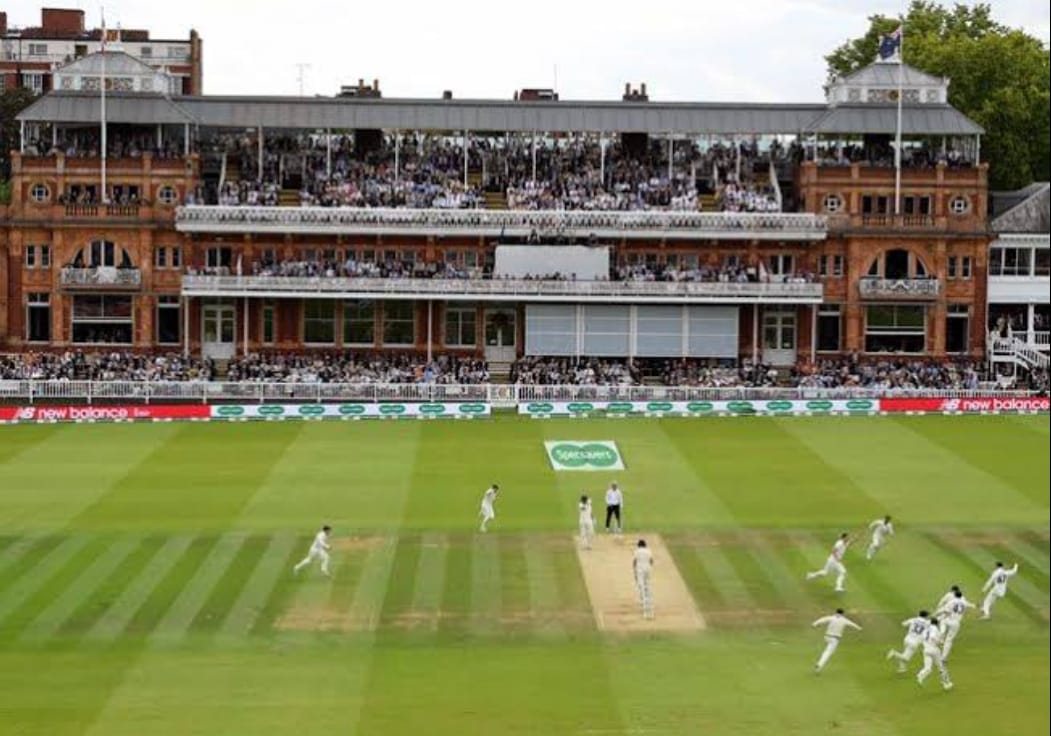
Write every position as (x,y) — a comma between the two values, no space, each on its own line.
(897,263)
(102,253)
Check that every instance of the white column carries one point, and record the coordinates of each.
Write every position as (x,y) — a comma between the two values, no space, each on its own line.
(685,328)
(633,332)
(22,136)
(579,330)
(186,139)
(54,136)
(671,154)
(259,154)
(466,140)
(244,329)
(328,154)
(430,329)
(186,327)
(977,150)
(397,155)
(755,333)
(602,158)
(1030,335)
(534,156)
(160,137)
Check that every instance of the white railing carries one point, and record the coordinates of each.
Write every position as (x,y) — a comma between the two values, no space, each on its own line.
(500,394)
(569,223)
(102,276)
(874,288)
(1019,352)
(528,289)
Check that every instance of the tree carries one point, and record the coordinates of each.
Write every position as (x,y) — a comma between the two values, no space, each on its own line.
(1000,78)
(12,102)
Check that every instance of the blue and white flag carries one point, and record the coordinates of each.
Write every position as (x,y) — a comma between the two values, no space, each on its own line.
(890,46)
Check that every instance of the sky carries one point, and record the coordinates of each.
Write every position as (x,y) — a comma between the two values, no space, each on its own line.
(685,50)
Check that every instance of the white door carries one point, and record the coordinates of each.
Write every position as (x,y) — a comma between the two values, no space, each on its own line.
(218,338)
(500,335)
(779,338)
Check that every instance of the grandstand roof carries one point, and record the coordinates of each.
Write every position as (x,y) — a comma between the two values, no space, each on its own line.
(494,115)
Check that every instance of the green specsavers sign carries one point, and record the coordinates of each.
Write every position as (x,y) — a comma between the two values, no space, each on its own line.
(590,455)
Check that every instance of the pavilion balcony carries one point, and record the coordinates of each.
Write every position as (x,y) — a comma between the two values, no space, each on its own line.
(646,224)
(101,278)
(899,289)
(525,290)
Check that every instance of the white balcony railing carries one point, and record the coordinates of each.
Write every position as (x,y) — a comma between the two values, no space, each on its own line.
(874,288)
(101,277)
(502,289)
(575,223)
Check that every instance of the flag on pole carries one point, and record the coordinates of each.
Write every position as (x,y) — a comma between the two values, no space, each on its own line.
(890,46)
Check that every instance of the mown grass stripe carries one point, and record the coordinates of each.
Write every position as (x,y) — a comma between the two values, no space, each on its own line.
(514,576)
(981,563)
(5,542)
(767,549)
(284,586)
(88,579)
(732,588)
(22,558)
(543,586)
(757,583)
(485,583)
(117,616)
(52,587)
(372,585)
(400,590)
(195,589)
(273,564)
(1029,575)
(1038,542)
(1030,564)
(227,589)
(168,589)
(94,605)
(430,581)
(456,594)
(33,578)
(346,577)
(687,554)
(569,580)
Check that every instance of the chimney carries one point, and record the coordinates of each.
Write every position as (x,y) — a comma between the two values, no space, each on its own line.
(627,90)
(61,23)
(375,85)
(642,91)
(3,23)
(447,94)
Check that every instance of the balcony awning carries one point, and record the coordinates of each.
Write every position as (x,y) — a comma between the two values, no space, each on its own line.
(85,108)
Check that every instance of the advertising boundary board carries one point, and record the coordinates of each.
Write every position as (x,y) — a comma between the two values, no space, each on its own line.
(45,414)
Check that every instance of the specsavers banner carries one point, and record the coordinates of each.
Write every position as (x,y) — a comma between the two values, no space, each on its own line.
(584,455)
(463,410)
(699,408)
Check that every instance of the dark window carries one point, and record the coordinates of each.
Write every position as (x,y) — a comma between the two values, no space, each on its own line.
(268,323)
(160,259)
(359,323)
(169,322)
(38,318)
(460,327)
(399,323)
(829,325)
(896,264)
(957,327)
(951,267)
(319,321)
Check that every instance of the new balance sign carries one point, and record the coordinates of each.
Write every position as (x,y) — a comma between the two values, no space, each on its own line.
(592,455)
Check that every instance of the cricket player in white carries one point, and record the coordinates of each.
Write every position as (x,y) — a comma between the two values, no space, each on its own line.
(951,615)
(996,586)
(947,598)
(880,528)
(642,567)
(586,521)
(915,628)
(834,563)
(488,512)
(834,627)
(318,551)
(932,655)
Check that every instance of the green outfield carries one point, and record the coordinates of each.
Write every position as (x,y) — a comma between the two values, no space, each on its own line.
(145,583)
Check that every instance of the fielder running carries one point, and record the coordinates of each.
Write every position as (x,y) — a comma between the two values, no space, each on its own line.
(318,551)
(642,567)
(996,586)
(834,627)
(947,598)
(488,512)
(915,628)
(586,522)
(834,563)
(951,615)
(880,528)
(932,655)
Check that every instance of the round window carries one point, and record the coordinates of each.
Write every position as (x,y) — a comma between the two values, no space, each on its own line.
(39,193)
(832,203)
(167,195)
(959,205)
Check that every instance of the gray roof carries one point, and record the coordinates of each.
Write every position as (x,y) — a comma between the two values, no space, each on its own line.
(915,120)
(85,107)
(494,115)
(884,74)
(1028,210)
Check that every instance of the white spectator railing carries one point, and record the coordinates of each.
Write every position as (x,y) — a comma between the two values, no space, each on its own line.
(875,288)
(500,394)
(570,223)
(501,289)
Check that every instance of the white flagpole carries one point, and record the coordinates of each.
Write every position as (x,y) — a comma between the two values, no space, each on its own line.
(897,135)
(104,197)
